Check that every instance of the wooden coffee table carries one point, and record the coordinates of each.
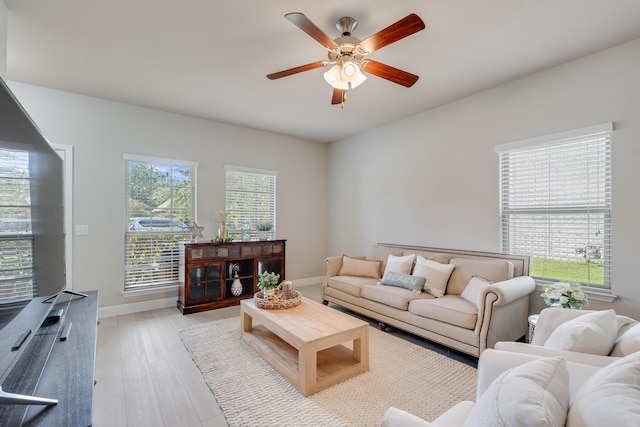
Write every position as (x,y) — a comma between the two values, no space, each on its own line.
(305,343)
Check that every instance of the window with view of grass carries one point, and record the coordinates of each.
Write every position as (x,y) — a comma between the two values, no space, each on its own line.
(160,210)
(250,202)
(555,204)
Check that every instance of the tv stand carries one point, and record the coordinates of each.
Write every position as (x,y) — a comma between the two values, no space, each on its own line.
(63,371)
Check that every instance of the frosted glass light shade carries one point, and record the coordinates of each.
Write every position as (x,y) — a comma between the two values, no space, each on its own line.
(345,77)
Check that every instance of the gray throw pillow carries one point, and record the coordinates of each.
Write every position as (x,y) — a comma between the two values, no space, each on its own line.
(407,281)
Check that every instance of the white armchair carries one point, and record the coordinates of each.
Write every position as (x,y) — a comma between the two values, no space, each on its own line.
(611,380)
(491,365)
(551,318)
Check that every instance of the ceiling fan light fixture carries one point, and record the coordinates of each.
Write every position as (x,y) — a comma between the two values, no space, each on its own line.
(351,74)
(333,77)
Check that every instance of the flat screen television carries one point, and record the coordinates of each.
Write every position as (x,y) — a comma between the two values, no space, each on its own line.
(33,269)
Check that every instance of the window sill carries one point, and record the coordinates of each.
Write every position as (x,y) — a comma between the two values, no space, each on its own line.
(149,291)
(603,295)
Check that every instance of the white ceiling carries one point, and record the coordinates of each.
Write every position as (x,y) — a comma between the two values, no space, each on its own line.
(209,58)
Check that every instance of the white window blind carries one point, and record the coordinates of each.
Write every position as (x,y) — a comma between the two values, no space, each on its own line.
(16,239)
(160,210)
(555,204)
(250,200)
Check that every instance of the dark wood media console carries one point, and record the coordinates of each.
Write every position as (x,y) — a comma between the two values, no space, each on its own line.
(58,369)
(206,272)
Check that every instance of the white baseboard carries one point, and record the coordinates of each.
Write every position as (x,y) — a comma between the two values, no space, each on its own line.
(136,307)
(308,281)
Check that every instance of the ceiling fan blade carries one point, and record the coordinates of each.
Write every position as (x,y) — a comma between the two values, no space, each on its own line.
(408,25)
(305,24)
(296,70)
(337,97)
(390,73)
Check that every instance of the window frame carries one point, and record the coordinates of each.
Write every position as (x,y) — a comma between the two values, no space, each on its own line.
(24,282)
(171,255)
(551,208)
(234,217)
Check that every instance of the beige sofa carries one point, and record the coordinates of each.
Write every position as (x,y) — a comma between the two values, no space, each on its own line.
(497,312)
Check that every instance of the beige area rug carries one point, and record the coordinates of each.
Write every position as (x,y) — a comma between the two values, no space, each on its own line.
(251,393)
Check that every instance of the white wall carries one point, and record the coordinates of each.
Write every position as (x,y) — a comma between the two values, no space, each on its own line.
(432,179)
(101,131)
(4,16)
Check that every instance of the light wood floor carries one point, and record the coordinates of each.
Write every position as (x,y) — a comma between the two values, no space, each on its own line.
(145,376)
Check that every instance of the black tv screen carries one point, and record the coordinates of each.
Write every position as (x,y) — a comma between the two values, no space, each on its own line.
(32,239)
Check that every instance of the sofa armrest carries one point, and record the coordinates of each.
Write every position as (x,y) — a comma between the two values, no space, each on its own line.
(333,265)
(571,356)
(510,290)
(503,316)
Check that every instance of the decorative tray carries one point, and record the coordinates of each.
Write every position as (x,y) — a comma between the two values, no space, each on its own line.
(275,301)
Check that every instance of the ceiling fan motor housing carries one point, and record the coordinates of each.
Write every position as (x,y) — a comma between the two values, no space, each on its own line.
(346,25)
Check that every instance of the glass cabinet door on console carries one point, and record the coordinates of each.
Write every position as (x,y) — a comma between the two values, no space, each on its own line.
(206,282)
(208,270)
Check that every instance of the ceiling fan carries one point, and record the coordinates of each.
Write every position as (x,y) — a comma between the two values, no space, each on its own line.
(348,54)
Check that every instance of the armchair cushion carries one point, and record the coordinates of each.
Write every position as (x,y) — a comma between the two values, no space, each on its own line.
(628,343)
(610,397)
(533,394)
(593,333)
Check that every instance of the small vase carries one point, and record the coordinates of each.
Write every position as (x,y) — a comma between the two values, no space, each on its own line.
(262,235)
(268,292)
(236,286)
(222,232)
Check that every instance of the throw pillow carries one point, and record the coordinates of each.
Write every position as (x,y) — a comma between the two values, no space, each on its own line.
(593,333)
(473,291)
(359,267)
(532,394)
(628,343)
(399,264)
(413,283)
(610,397)
(436,275)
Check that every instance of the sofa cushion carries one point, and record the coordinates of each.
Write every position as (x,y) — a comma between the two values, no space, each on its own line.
(382,253)
(627,343)
(593,333)
(407,281)
(535,393)
(399,264)
(450,309)
(610,397)
(389,295)
(351,285)
(436,275)
(465,269)
(474,289)
(359,267)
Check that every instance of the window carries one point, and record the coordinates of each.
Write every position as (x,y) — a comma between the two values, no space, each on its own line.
(250,200)
(160,211)
(16,238)
(555,204)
